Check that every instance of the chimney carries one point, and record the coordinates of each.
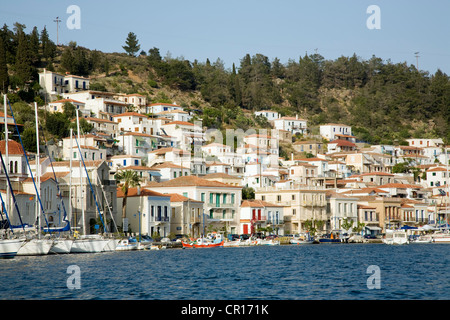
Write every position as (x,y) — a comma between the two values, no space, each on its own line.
(296,116)
(139,190)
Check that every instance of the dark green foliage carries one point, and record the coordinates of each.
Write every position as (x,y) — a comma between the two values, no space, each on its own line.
(132,45)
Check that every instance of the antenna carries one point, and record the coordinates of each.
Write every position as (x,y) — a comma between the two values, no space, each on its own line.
(57,29)
(417,60)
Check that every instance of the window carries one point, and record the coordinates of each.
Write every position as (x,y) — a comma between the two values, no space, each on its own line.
(232,198)
(211,197)
(202,197)
(185,194)
(279,198)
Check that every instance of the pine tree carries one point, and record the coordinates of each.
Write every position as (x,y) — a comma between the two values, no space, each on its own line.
(23,66)
(4,78)
(132,44)
(48,46)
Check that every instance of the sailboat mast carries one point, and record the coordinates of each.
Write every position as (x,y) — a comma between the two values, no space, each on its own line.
(38,171)
(6,150)
(81,183)
(70,176)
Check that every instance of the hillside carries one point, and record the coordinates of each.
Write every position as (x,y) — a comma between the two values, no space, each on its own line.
(382,101)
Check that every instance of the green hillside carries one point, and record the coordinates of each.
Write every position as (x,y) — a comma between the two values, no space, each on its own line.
(384,102)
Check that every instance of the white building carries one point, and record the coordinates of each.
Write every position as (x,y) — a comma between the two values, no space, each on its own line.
(149,208)
(221,201)
(134,122)
(269,114)
(329,131)
(161,107)
(342,207)
(257,214)
(54,83)
(292,124)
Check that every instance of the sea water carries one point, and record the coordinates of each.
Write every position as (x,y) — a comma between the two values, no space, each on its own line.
(286,272)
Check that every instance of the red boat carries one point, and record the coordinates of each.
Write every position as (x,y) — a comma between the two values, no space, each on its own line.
(203,243)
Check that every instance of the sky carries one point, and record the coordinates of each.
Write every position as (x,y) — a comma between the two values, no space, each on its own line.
(286,29)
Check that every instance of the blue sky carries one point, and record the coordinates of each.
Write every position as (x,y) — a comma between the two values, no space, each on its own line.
(287,29)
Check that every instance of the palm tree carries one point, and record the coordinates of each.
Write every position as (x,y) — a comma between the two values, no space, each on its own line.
(127,179)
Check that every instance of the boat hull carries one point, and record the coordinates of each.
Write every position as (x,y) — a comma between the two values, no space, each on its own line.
(111,245)
(300,242)
(202,245)
(35,247)
(88,245)
(10,247)
(61,246)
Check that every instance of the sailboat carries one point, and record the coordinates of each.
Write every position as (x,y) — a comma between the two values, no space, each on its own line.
(34,244)
(87,243)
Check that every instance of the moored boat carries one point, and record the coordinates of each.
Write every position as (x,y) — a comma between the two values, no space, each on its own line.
(10,247)
(398,237)
(61,245)
(89,244)
(301,239)
(35,247)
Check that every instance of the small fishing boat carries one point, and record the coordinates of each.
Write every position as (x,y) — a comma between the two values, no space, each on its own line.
(396,237)
(210,241)
(301,239)
(441,237)
(127,245)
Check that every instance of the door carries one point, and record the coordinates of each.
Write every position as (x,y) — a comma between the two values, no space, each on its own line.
(245,231)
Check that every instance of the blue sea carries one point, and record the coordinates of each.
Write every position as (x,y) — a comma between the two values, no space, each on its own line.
(286,272)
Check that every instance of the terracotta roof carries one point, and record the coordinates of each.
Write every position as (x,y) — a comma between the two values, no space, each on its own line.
(400,185)
(165,150)
(219,175)
(342,143)
(175,197)
(130,114)
(181,123)
(187,181)
(437,169)
(258,204)
(67,100)
(168,165)
(138,168)
(14,148)
(133,192)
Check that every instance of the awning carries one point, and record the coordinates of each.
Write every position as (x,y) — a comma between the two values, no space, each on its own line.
(373,228)
(154,173)
(408,228)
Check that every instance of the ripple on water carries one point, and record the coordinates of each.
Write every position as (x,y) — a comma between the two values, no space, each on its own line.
(283,272)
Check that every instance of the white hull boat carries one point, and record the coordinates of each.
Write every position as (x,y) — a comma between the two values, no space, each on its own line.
(35,247)
(125,245)
(111,245)
(441,237)
(10,247)
(61,246)
(89,245)
(396,237)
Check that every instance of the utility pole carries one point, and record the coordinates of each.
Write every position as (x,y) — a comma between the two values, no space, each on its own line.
(417,60)
(57,29)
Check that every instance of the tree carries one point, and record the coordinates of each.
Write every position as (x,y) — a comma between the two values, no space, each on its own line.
(23,66)
(127,179)
(347,224)
(132,44)
(4,77)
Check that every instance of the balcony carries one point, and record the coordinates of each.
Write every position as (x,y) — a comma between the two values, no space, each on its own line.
(109,182)
(162,219)
(221,205)
(195,219)
(218,217)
